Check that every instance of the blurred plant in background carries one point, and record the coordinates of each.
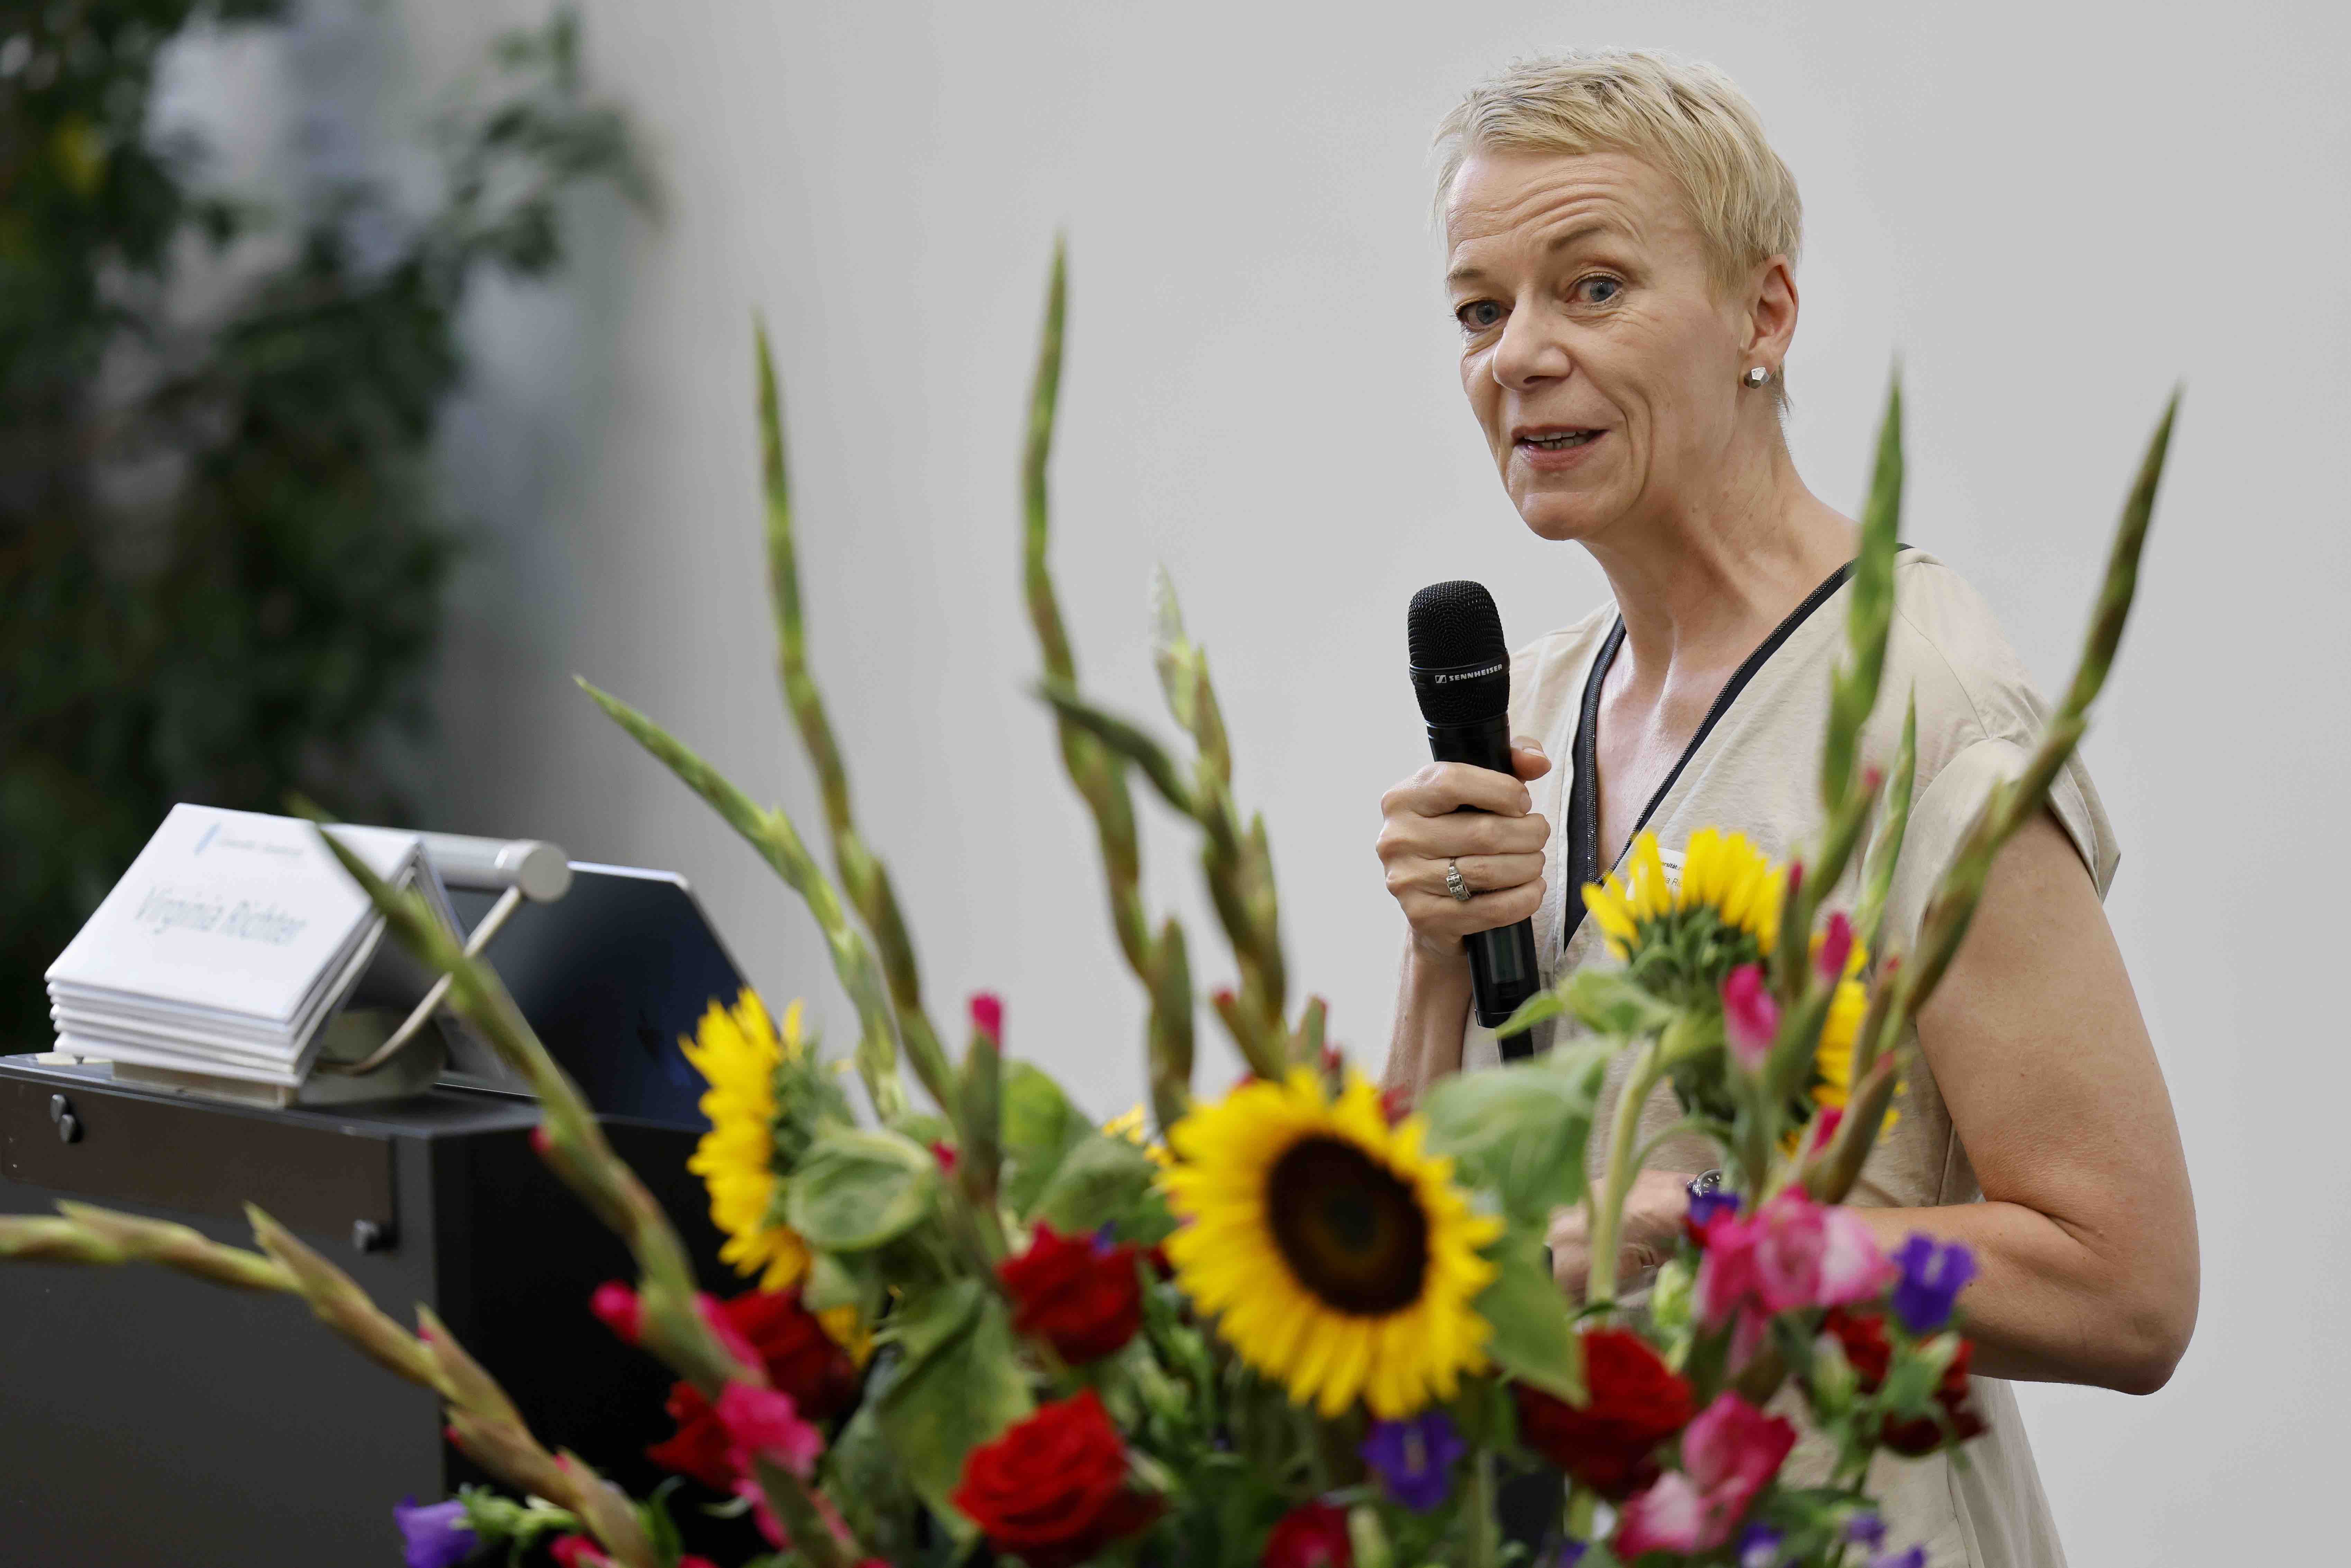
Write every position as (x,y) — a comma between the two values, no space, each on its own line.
(221,553)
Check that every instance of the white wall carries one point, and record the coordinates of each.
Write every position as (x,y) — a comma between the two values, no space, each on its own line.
(2051,212)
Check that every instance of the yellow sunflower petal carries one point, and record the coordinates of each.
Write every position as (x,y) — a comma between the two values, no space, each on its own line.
(1334,1255)
(737,1050)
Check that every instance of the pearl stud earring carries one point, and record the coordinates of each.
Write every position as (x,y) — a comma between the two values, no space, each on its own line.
(1756,375)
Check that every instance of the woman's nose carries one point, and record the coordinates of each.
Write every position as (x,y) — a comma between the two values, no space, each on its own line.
(1531,351)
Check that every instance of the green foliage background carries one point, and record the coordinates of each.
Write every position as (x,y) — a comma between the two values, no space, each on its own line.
(221,557)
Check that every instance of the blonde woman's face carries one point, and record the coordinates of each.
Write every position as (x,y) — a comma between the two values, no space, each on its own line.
(1597,351)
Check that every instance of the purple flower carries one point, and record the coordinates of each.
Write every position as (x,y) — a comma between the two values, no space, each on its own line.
(436,1535)
(1414,1459)
(1932,1278)
(1914,1558)
(1866,1530)
(1705,1208)
(1570,1552)
(1759,1547)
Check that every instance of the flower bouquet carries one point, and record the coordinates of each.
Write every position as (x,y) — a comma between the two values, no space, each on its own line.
(1290,1322)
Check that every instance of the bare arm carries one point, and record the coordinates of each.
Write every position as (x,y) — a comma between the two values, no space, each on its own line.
(1499,848)
(1432,1006)
(2086,1237)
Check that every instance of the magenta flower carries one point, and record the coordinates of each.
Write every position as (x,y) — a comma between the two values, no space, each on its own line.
(1932,1278)
(1729,1453)
(1793,1254)
(764,1424)
(1836,947)
(988,1015)
(1750,1017)
(615,1306)
(434,1535)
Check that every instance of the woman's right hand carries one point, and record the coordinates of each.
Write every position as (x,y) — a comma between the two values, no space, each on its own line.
(1499,846)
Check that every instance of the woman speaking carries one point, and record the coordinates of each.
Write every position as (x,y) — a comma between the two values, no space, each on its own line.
(1621,246)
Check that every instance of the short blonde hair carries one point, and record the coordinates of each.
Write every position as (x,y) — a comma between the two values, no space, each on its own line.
(1685,118)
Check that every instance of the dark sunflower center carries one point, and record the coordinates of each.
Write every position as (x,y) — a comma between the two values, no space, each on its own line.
(1352,1232)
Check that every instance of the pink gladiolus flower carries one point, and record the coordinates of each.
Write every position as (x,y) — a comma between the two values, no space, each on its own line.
(1750,1017)
(615,1306)
(764,1424)
(988,1015)
(1836,947)
(1729,1452)
(1792,1253)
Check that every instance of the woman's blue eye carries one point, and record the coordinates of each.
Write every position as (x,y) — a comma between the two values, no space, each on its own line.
(1478,315)
(1598,291)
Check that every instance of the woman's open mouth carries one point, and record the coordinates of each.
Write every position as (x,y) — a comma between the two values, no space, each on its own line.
(1555,444)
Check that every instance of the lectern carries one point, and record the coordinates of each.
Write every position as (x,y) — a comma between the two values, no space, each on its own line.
(148,1421)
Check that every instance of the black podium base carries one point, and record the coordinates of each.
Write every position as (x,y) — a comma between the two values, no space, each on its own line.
(151,1419)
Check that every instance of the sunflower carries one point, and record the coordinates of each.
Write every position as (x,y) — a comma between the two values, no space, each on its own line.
(1681,941)
(1135,1128)
(1338,1257)
(738,1050)
(1833,1059)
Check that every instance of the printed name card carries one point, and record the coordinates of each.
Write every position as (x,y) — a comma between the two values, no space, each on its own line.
(226,945)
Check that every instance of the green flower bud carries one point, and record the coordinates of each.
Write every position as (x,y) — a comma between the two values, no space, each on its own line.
(1669,1297)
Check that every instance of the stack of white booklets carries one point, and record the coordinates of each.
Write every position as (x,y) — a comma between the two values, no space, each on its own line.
(230,943)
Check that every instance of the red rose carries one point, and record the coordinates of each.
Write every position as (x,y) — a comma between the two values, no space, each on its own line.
(1082,1297)
(801,1360)
(1053,1489)
(1312,1535)
(1866,1349)
(1637,1402)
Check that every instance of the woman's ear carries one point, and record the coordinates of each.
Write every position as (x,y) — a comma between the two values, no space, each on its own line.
(1771,313)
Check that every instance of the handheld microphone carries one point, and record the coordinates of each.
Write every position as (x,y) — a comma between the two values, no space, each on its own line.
(1461,673)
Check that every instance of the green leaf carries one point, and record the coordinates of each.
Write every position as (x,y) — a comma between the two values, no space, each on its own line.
(865,1479)
(851,1279)
(661,1529)
(1101,1180)
(1611,1002)
(858,1190)
(1041,1126)
(1534,1334)
(1533,1010)
(958,1384)
(1518,1131)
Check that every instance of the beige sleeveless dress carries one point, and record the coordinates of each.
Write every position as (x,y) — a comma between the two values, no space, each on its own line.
(1755,771)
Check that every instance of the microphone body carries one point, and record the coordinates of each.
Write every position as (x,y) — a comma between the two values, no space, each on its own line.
(1503,972)
(1461,675)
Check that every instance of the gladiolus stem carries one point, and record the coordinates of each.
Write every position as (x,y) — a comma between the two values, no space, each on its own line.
(862,875)
(1623,1143)
(1098,773)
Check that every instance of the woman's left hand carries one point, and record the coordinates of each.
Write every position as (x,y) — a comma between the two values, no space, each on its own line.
(1654,1211)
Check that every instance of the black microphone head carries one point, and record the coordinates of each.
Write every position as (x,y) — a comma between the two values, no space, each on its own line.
(1460,665)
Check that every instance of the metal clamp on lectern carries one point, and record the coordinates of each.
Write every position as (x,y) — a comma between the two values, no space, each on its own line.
(513,869)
